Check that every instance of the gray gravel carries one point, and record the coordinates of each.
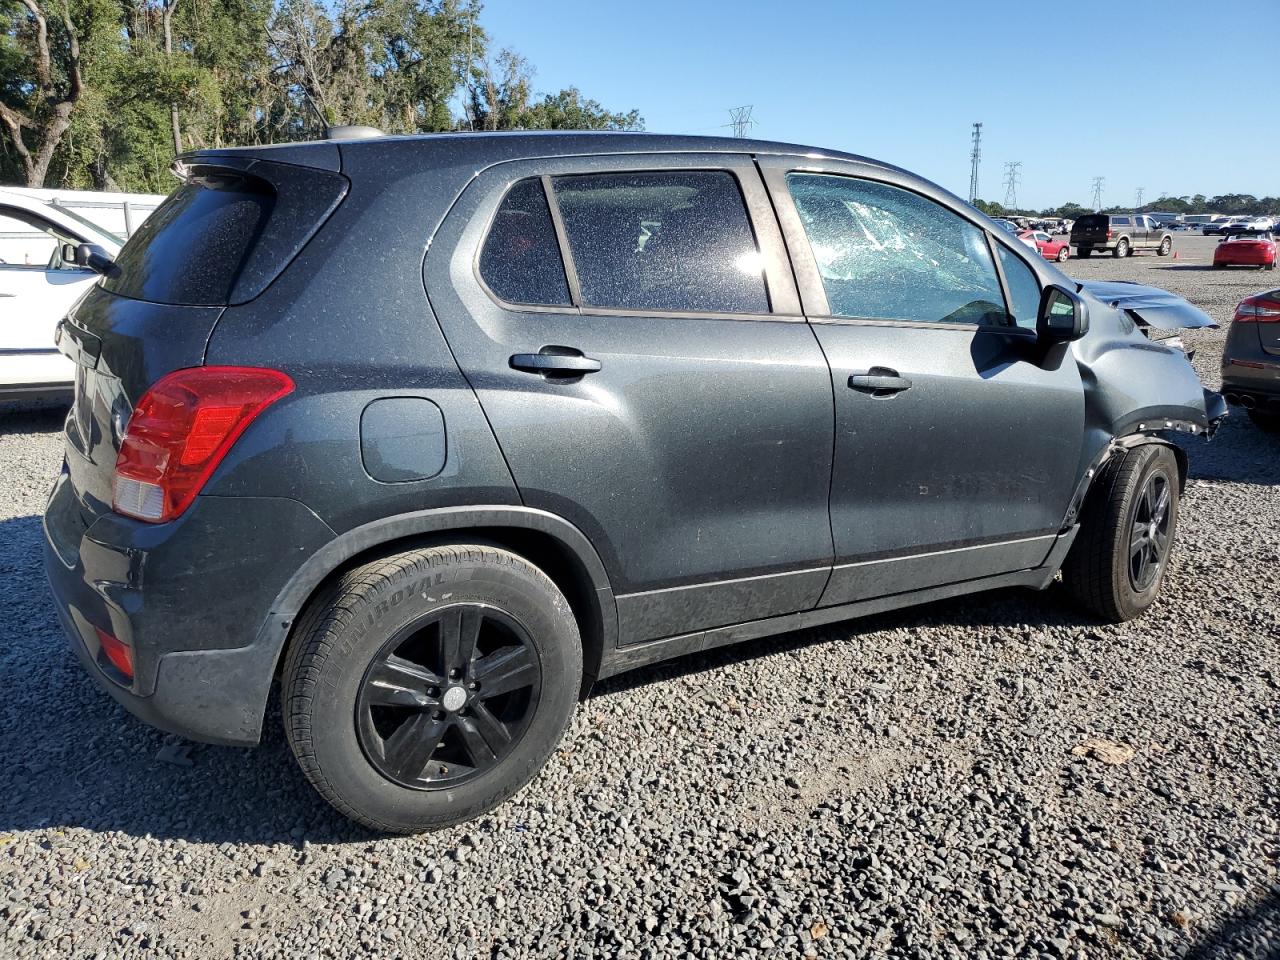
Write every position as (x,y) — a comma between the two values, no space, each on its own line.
(900,786)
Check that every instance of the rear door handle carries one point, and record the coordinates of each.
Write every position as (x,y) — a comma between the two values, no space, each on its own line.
(879,382)
(555,362)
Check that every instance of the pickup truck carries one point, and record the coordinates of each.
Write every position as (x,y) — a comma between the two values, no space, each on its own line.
(1121,233)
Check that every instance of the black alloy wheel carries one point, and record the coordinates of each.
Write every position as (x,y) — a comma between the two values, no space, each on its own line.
(448,696)
(1149,532)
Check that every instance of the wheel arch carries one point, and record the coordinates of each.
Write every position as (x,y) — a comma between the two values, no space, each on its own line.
(549,542)
(1108,454)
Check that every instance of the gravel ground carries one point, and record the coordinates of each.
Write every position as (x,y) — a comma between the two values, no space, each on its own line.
(899,786)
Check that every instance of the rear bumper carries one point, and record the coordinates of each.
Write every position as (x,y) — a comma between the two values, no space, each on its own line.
(192,598)
(1256,386)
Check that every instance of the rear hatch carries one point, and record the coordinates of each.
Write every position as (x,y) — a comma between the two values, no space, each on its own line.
(1091,229)
(220,239)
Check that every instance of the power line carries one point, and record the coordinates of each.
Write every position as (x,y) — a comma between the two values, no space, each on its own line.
(1098,183)
(974,157)
(1011,178)
(740,120)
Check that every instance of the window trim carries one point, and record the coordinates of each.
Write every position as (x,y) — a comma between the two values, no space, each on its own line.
(779,272)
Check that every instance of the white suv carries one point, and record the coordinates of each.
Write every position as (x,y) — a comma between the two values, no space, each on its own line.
(37,287)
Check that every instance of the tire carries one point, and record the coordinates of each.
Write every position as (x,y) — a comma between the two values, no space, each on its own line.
(1265,420)
(368,661)
(1165,246)
(1269,266)
(1082,253)
(1063,254)
(1219,266)
(1100,572)
(1122,249)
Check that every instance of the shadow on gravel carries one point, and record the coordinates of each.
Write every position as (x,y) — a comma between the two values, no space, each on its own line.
(1251,931)
(1240,452)
(20,418)
(1012,608)
(71,757)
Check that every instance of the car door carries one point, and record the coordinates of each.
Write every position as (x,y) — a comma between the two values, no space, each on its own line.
(958,434)
(36,289)
(632,331)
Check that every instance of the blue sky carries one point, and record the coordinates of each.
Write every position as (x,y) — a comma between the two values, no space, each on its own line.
(903,82)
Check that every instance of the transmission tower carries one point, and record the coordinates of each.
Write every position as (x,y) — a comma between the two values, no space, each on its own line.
(1098,183)
(1137,198)
(1011,178)
(740,120)
(974,157)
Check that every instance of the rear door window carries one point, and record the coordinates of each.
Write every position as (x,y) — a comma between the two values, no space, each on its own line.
(520,260)
(1120,221)
(885,253)
(677,241)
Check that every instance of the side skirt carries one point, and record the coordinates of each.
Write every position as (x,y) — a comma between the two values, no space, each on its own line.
(637,655)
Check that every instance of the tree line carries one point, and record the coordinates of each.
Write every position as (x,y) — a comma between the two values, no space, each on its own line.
(1230,204)
(102,94)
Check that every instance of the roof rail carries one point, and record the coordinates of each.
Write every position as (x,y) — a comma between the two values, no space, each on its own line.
(352,132)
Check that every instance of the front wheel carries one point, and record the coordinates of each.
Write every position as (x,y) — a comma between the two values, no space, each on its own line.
(1165,246)
(1118,561)
(424,689)
(1121,250)
(1063,254)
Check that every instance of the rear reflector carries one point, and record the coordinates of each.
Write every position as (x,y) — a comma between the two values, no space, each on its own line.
(180,431)
(119,653)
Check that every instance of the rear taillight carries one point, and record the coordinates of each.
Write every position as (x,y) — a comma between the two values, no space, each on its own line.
(1258,310)
(180,431)
(118,653)
(1110,234)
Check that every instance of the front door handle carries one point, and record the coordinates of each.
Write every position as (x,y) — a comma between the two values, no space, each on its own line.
(555,362)
(879,382)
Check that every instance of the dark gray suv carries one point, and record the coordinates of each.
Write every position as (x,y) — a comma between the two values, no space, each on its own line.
(440,430)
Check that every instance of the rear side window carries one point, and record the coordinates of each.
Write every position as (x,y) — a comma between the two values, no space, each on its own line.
(673,241)
(1120,221)
(191,250)
(222,236)
(520,259)
(885,253)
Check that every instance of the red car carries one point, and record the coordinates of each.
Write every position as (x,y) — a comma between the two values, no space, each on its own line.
(1245,250)
(1049,248)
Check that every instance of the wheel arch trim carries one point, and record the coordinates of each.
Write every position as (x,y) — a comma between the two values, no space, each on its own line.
(480,521)
(1120,444)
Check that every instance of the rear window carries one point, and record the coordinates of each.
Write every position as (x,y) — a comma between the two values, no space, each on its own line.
(1092,221)
(222,236)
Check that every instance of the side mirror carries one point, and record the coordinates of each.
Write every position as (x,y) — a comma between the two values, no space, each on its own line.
(94,257)
(1063,317)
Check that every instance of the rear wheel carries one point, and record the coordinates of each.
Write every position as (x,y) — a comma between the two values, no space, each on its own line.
(426,688)
(1063,254)
(1165,246)
(1118,561)
(1266,420)
(1083,253)
(1121,250)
